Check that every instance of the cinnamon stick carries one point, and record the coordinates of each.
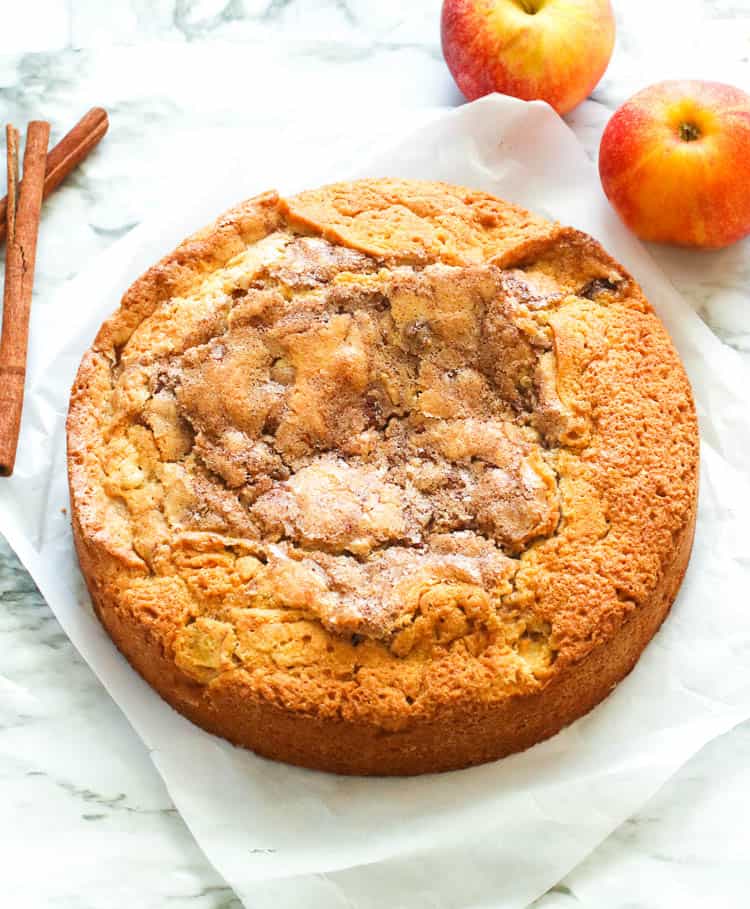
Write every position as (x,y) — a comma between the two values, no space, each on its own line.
(67,154)
(20,257)
(11,137)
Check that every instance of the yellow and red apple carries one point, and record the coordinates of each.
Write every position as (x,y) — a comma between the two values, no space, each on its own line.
(675,163)
(553,50)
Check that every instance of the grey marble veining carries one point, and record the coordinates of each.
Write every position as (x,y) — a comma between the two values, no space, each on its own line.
(84,818)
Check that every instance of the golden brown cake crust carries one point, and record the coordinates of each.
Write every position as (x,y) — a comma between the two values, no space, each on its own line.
(389,477)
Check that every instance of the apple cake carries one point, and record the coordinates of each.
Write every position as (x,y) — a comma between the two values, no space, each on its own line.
(389,477)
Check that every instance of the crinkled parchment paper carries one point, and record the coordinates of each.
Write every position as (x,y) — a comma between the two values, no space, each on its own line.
(494,836)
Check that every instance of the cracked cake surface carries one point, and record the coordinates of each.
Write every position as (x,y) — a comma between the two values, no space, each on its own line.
(387,477)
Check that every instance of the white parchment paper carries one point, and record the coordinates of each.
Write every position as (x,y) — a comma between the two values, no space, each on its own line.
(493,836)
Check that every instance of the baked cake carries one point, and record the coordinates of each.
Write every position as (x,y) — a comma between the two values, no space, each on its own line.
(389,477)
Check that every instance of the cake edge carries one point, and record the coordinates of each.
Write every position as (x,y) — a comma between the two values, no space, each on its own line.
(467,736)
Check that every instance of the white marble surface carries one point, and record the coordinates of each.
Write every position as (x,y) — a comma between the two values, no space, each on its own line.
(84,819)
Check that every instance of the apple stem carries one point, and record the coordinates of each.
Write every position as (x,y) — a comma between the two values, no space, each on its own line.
(689,132)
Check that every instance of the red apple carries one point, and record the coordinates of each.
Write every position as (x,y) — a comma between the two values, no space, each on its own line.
(675,163)
(556,50)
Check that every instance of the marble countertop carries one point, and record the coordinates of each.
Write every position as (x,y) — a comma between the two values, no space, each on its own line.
(85,821)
